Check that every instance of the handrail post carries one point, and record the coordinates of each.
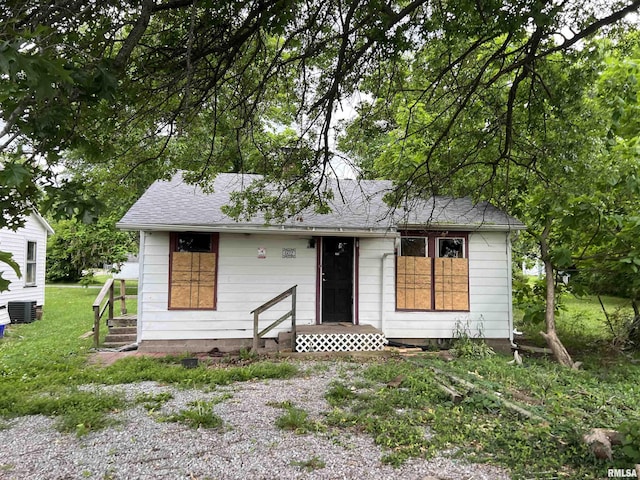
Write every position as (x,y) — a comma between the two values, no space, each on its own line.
(255,330)
(111,301)
(293,319)
(96,326)
(99,310)
(123,297)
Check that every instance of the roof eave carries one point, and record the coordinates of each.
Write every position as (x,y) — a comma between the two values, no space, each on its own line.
(263,229)
(482,227)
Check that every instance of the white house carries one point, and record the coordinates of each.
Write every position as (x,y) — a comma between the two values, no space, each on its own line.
(416,275)
(29,248)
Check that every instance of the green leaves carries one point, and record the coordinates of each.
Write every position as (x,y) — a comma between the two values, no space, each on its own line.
(7,259)
(15,175)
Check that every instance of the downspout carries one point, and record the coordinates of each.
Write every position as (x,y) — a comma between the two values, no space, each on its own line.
(140,309)
(382,302)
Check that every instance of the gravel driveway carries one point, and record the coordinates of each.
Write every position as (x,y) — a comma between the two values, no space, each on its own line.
(250,446)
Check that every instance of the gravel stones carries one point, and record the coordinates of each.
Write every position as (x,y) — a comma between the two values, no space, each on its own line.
(249,446)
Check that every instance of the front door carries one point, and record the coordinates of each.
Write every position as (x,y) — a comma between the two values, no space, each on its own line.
(337,279)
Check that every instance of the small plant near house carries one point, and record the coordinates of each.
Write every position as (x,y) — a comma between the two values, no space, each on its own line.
(200,415)
(314,463)
(466,345)
(247,355)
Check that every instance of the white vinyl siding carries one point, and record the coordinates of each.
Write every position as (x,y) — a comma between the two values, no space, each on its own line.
(17,243)
(489,292)
(244,283)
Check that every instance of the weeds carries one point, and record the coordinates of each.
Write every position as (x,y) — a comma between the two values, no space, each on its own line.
(314,463)
(297,420)
(416,419)
(630,448)
(466,345)
(153,402)
(200,415)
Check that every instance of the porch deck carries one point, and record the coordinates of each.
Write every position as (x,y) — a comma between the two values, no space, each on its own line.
(339,337)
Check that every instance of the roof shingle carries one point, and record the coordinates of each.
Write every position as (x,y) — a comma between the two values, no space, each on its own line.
(357,205)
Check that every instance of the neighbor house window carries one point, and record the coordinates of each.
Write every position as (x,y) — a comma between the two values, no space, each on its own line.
(31,266)
(432,272)
(193,271)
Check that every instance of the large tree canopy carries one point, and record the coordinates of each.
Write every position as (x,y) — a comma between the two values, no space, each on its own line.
(215,86)
(468,96)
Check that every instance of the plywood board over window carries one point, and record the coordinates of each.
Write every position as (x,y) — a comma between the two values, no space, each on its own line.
(451,278)
(193,273)
(432,272)
(413,287)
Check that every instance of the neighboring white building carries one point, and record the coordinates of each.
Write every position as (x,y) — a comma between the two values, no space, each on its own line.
(29,248)
(442,264)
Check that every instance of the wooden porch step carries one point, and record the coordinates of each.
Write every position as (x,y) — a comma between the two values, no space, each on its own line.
(129,320)
(119,340)
(123,331)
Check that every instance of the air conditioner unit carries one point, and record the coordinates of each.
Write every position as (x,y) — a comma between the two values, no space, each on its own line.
(22,312)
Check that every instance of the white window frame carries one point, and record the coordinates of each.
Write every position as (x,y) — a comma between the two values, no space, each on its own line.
(28,262)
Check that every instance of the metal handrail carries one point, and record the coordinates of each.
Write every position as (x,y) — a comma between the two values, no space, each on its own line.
(266,306)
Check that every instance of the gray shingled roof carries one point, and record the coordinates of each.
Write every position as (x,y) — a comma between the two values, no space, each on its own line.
(357,206)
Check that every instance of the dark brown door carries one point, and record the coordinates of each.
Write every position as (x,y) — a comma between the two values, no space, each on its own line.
(337,279)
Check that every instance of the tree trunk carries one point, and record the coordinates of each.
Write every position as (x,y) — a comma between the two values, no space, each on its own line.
(559,352)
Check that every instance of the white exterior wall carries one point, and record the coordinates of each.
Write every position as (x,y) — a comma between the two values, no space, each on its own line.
(244,282)
(16,243)
(489,292)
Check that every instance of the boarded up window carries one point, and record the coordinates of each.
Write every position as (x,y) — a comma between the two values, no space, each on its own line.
(193,273)
(451,278)
(432,272)
(413,286)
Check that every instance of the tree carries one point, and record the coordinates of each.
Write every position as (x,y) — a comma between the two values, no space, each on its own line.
(79,74)
(155,77)
(562,172)
(18,193)
(77,247)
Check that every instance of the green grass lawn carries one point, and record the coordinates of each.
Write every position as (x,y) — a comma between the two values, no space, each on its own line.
(581,323)
(44,364)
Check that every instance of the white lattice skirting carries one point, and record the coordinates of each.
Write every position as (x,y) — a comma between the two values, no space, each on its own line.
(340,342)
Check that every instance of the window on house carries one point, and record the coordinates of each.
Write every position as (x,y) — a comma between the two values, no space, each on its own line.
(450,247)
(193,271)
(432,273)
(31,265)
(413,247)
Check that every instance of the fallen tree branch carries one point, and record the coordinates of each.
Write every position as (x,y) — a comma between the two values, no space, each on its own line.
(510,405)
(454,395)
